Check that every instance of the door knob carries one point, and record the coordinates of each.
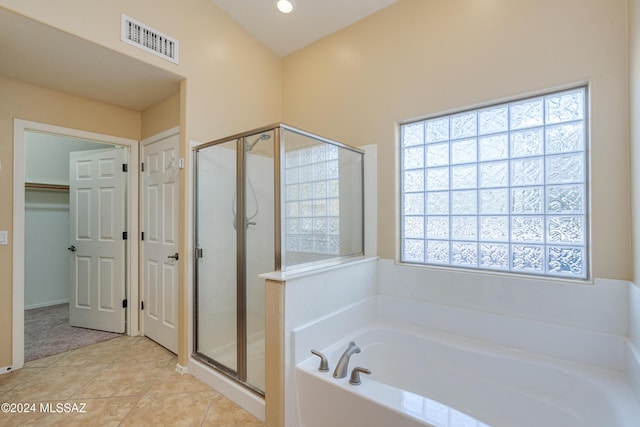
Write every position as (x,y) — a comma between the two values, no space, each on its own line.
(72,248)
(174,256)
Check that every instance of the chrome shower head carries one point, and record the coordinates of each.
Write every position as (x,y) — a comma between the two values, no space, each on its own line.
(262,137)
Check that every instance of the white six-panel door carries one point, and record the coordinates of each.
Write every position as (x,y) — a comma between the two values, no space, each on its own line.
(160,245)
(96,201)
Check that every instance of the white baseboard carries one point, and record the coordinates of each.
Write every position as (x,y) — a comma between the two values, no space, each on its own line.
(182,370)
(46,304)
(6,370)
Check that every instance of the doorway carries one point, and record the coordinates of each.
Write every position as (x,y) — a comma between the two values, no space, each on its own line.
(62,245)
(22,131)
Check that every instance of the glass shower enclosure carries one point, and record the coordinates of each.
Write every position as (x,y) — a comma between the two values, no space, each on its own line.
(272,199)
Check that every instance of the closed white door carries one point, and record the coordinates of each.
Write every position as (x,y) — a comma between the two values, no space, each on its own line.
(97,248)
(160,258)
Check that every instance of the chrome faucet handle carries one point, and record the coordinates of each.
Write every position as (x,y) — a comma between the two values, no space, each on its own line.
(324,364)
(355,375)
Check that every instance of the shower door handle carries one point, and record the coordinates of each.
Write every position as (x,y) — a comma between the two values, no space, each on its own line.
(174,256)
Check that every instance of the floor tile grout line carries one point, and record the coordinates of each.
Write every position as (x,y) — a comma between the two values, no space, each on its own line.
(133,406)
(109,366)
(206,413)
(160,370)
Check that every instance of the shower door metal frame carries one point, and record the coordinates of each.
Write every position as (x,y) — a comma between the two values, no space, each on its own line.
(240,374)
(241,261)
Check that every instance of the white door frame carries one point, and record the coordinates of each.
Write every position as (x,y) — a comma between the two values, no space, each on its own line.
(18,240)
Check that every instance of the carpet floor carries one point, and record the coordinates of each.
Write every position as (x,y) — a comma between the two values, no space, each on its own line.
(47,332)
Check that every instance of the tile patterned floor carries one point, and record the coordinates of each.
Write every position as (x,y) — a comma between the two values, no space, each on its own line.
(126,381)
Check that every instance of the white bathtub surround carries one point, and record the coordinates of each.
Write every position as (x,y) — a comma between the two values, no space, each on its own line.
(368,405)
(329,330)
(633,348)
(580,333)
(298,299)
(421,377)
(589,347)
(602,306)
(595,323)
(476,362)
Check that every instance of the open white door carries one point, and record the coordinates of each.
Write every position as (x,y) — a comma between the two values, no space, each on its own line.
(97,214)
(160,256)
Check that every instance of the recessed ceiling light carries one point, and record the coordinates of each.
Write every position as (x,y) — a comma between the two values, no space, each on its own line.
(285,6)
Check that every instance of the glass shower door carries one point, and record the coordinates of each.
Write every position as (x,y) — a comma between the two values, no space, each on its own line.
(235,239)
(260,245)
(216,294)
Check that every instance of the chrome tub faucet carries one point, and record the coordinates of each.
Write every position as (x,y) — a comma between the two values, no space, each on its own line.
(343,364)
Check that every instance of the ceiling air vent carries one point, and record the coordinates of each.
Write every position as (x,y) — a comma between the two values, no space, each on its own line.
(146,38)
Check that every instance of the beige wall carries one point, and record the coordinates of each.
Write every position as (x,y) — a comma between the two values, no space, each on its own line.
(424,57)
(232,83)
(33,103)
(160,117)
(634,74)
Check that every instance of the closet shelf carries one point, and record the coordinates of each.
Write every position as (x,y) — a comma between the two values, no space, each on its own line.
(41,186)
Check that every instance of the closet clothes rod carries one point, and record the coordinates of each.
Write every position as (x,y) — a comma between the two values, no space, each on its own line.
(39,186)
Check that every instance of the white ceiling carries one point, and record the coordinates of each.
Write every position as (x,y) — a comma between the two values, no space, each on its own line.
(309,21)
(39,54)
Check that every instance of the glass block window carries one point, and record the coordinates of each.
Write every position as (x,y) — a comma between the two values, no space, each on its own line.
(499,188)
(312,203)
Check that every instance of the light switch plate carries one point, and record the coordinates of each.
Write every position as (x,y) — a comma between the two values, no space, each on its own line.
(4,237)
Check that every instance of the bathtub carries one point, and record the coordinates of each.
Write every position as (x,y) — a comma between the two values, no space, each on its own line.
(422,377)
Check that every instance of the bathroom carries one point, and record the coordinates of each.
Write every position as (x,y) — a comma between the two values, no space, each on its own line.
(411,60)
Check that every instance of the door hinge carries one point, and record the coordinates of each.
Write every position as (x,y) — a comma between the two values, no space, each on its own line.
(141,305)
(125,235)
(124,303)
(142,167)
(198,252)
(125,167)
(142,235)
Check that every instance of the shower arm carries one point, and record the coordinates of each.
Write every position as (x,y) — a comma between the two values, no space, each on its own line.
(248,218)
